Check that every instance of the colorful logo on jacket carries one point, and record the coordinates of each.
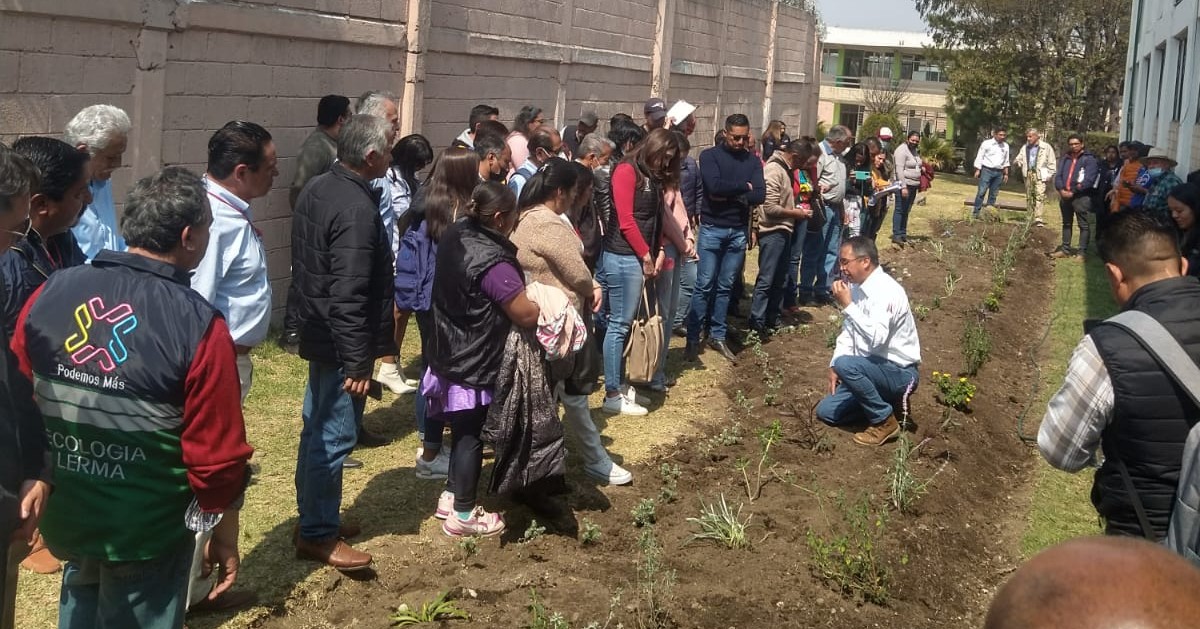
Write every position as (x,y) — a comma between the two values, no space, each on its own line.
(86,345)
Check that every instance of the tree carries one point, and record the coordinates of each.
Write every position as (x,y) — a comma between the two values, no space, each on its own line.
(883,94)
(1057,65)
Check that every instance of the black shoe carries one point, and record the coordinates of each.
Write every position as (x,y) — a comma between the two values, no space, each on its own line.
(368,439)
(691,353)
(722,349)
(290,342)
(679,331)
(351,463)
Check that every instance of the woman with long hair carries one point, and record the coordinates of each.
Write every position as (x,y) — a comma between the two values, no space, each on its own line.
(552,253)
(1184,203)
(632,250)
(527,120)
(478,295)
(440,200)
(774,137)
(409,156)
(679,244)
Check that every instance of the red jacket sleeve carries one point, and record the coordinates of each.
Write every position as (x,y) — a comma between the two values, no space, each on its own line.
(624,182)
(215,451)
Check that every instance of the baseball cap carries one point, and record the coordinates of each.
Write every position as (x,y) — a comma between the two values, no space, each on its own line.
(655,109)
(885,133)
(588,119)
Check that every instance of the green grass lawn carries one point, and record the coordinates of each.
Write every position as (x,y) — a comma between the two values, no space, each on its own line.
(391,503)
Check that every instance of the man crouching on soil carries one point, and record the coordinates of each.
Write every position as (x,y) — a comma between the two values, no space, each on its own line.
(875,360)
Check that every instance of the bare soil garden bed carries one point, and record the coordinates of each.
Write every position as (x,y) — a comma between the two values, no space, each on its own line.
(826,545)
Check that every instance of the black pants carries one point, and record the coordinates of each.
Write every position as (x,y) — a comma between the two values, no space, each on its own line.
(8,587)
(1077,208)
(291,312)
(466,455)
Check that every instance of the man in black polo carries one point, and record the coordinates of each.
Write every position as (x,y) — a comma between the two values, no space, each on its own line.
(1115,397)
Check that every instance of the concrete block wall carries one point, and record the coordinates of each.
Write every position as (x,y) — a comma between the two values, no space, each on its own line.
(183,68)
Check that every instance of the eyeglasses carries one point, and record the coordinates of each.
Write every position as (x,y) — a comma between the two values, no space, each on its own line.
(738,138)
(22,229)
(845,262)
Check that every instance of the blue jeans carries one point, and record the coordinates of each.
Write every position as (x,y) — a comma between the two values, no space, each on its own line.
(430,427)
(774,251)
(990,180)
(149,594)
(904,206)
(667,288)
(820,255)
(722,251)
(331,417)
(872,388)
(623,283)
(687,285)
(795,255)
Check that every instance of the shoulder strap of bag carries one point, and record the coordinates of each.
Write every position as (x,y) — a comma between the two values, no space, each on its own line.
(1154,338)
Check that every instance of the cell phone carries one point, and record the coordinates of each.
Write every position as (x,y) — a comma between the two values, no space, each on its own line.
(375,390)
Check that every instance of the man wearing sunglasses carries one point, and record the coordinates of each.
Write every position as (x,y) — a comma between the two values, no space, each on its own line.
(875,359)
(733,182)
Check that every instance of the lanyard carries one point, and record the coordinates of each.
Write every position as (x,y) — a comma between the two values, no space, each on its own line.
(257,231)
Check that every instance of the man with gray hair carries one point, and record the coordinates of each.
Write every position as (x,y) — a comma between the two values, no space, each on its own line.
(1036,163)
(154,379)
(874,365)
(342,268)
(594,151)
(821,245)
(102,131)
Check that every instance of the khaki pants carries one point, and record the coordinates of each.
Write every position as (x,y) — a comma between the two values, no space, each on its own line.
(1035,193)
(245,374)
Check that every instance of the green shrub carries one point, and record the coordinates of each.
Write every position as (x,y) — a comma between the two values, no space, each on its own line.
(870,127)
(937,151)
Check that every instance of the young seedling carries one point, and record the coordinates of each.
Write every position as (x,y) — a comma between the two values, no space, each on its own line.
(655,583)
(767,437)
(721,524)
(542,618)
(589,535)
(468,547)
(850,561)
(670,478)
(643,513)
(532,532)
(440,608)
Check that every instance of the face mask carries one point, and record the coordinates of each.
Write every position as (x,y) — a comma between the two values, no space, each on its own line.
(1155,172)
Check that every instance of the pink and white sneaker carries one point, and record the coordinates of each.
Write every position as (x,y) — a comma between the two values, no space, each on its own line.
(445,506)
(481,524)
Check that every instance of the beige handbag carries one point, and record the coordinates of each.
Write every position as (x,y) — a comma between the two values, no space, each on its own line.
(643,350)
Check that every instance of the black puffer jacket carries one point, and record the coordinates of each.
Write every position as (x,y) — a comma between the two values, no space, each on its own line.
(22,435)
(342,270)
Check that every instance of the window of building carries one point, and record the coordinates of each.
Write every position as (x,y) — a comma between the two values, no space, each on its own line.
(851,116)
(918,68)
(1160,54)
(1180,69)
(1149,70)
(829,62)
(879,65)
(855,61)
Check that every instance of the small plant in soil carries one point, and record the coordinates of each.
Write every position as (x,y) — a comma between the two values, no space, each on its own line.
(977,245)
(742,402)
(532,532)
(656,583)
(774,382)
(936,302)
(719,523)
(850,562)
(904,487)
(643,514)
(952,279)
(976,345)
(670,478)
(767,437)
(920,311)
(468,547)
(440,608)
(954,392)
(834,329)
(938,250)
(590,534)
(991,302)
(542,618)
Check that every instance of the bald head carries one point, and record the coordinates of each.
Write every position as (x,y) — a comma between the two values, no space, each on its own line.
(1100,583)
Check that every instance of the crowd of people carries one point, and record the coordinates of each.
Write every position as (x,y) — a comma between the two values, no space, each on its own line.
(532,260)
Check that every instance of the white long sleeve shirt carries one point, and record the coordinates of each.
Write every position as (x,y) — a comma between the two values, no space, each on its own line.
(878,322)
(992,154)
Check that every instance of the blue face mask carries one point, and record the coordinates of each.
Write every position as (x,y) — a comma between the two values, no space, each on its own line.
(1155,172)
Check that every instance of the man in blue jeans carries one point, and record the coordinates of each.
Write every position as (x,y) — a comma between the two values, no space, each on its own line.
(874,366)
(820,247)
(991,168)
(733,183)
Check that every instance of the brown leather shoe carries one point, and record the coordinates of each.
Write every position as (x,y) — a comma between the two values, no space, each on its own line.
(346,530)
(879,434)
(332,552)
(40,559)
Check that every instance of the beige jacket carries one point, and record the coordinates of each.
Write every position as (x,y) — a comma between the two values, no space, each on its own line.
(550,252)
(779,197)
(1046,165)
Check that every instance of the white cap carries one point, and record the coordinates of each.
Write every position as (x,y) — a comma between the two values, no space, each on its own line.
(680,111)
(885,133)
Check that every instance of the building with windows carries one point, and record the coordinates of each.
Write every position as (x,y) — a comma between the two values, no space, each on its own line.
(1162,79)
(859,66)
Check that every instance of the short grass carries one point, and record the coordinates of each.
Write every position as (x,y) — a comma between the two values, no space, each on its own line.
(388,500)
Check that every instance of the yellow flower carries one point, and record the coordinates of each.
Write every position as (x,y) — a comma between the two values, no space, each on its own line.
(937,373)
(968,399)
(962,379)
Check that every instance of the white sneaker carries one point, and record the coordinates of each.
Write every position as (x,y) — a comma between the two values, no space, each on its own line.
(390,377)
(623,405)
(638,398)
(437,469)
(445,506)
(608,472)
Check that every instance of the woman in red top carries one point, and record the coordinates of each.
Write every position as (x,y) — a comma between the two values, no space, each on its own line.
(632,249)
